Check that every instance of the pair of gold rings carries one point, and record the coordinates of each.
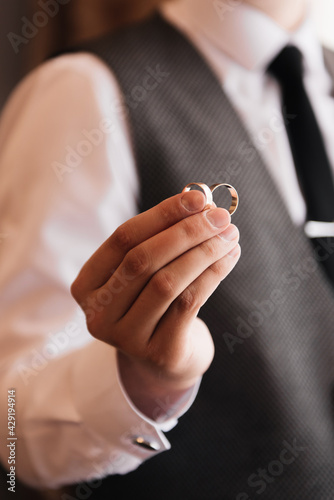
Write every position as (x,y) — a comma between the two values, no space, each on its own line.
(208,192)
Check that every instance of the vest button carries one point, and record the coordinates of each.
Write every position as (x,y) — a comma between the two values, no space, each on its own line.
(148,445)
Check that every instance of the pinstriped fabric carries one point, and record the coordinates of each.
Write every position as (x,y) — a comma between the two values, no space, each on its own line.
(269,392)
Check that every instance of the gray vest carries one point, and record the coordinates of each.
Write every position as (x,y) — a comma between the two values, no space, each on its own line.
(262,423)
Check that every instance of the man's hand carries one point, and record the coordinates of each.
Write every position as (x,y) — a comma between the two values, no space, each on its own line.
(142,290)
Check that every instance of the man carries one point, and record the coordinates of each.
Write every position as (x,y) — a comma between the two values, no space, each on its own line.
(199,104)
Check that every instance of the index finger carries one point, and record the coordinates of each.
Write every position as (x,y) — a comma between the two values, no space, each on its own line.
(107,258)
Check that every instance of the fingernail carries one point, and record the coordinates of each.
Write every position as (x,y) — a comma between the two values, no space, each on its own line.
(230,233)
(193,201)
(218,217)
(235,252)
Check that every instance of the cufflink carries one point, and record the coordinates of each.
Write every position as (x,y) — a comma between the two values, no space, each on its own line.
(208,192)
(148,445)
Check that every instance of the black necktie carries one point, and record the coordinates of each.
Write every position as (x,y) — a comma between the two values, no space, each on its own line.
(308,150)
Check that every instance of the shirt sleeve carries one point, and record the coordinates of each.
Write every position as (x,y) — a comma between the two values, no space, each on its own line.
(68,179)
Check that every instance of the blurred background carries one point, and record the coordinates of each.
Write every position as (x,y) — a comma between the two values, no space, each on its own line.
(59,24)
(23,46)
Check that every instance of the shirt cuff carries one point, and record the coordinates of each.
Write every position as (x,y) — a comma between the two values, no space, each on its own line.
(109,414)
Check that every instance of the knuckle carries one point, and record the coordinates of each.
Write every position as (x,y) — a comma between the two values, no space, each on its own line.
(210,248)
(121,239)
(191,228)
(171,210)
(116,342)
(77,289)
(163,284)
(95,325)
(219,269)
(74,290)
(188,300)
(222,268)
(166,211)
(137,262)
(99,328)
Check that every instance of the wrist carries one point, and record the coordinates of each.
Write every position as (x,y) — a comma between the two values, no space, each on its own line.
(154,394)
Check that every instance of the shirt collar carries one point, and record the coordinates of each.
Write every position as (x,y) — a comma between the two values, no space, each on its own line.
(244,34)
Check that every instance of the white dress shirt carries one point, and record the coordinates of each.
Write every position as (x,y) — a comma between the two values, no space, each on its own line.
(68,180)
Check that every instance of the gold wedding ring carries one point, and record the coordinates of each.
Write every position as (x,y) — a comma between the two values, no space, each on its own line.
(208,192)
